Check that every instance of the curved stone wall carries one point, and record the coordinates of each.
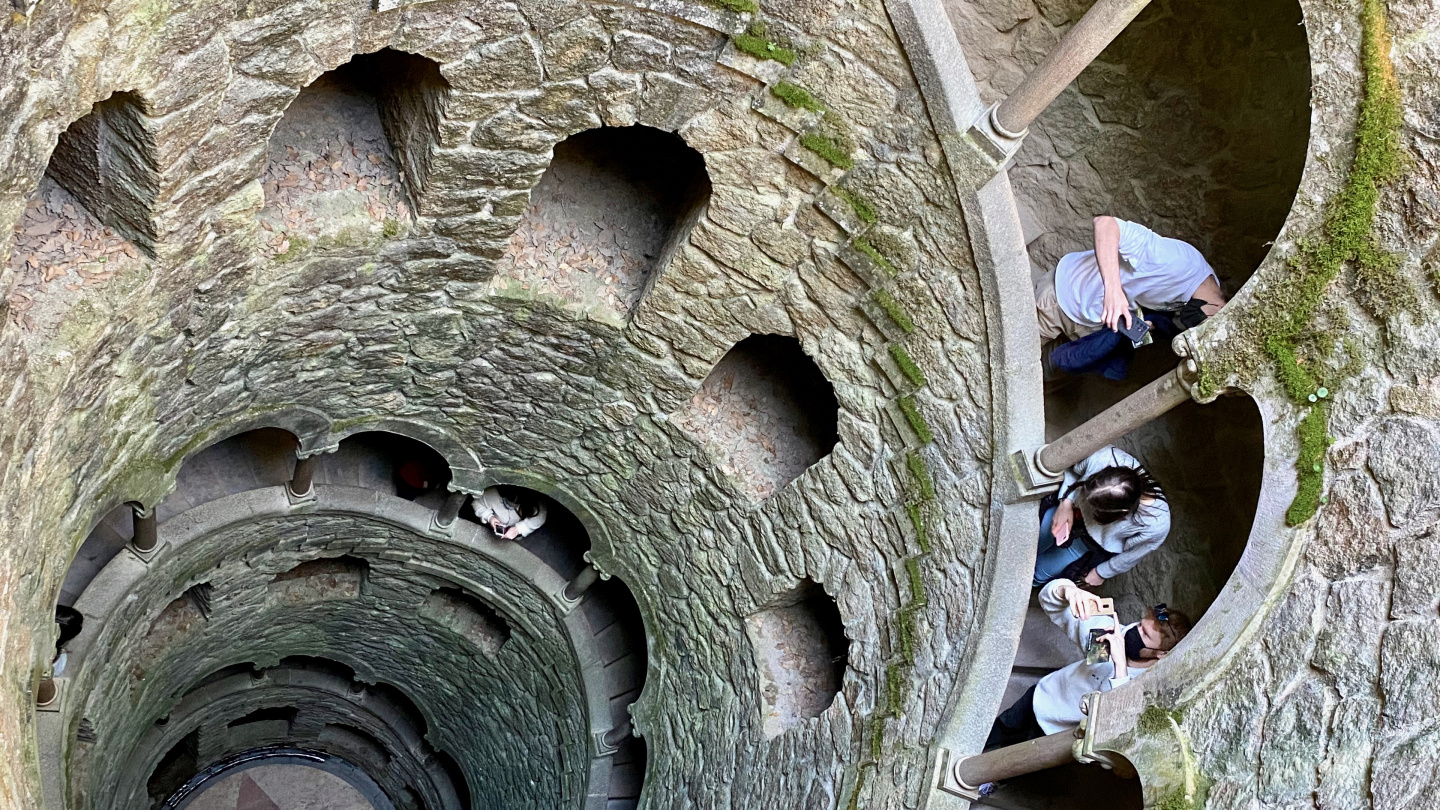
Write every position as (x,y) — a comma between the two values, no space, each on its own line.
(821,227)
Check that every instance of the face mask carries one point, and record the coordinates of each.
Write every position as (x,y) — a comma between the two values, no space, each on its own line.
(1133,643)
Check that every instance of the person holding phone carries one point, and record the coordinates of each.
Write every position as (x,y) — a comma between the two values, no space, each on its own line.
(1110,512)
(1130,266)
(1053,704)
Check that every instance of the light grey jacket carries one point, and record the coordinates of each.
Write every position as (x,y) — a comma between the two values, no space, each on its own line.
(1130,537)
(491,504)
(1058,695)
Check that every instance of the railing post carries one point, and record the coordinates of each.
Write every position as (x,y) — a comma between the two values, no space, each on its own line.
(1150,402)
(577,587)
(302,482)
(1082,43)
(449,511)
(1016,760)
(147,527)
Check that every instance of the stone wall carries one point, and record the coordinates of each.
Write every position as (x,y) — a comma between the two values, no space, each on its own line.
(212,333)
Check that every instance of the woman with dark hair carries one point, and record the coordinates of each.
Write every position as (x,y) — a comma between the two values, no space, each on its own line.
(1109,513)
(71,623)
(510,512)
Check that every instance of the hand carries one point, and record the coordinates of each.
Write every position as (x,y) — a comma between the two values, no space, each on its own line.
(512,533)
(494,524)
(1062,523)
(1093,578)
(1117,306)
(1083,604)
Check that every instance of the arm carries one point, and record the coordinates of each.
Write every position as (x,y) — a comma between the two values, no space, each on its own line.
(1152,532)
(1107,255)
(530,524)
(1071,608)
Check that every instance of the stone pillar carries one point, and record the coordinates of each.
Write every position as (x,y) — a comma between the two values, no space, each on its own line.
(449,511)
(1016,760)
(147,527)
(577,587)
(1148,403)
(1082,43)
(302,482)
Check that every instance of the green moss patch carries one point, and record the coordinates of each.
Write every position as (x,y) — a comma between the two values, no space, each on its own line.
(1289,328)
(831,140)
(863,209)
(737,6)
(893,310)
(916,419)
(298,245)
(917,521)
(863,245)
(796,96)
(907,366)
(921,473)
(757,42)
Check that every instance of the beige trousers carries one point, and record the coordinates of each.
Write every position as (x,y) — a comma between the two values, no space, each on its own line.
(1052,319)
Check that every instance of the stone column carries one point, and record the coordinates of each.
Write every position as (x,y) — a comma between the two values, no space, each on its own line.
(147,527)
(302,482)
(449,511)
(577,587)
(1016,760)
(1148,403)
(1082,43)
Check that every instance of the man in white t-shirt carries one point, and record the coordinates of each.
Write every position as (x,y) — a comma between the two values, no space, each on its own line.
(1130,265)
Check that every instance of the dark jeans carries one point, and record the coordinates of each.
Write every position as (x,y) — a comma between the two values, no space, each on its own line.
(1016,724)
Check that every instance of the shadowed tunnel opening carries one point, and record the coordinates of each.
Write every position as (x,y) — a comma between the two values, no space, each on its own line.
(417,623)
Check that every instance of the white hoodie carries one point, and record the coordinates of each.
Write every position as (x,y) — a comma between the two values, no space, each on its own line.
(491,504)
(1058,695)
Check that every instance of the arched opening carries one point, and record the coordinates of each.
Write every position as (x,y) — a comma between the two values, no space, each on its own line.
(389,463)
(1073,786)
(283,778)
(766,412)
(350,159)
(801,653)
(264,457)
(91,216)
(1193,122)
(608,213)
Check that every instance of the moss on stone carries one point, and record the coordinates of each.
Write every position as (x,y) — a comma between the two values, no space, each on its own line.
(832,141)
(796,96)
(917,520)
(759,43)
(863,209)
(298,245)
(1310,463)
(918,597)
(894,689)
(1154,720)
(391,228)
(1175,800)
(828,149)
(863,245)
(916,419)
(893,310)
(907,366)
(921,473)
(737,6)
(1284,327)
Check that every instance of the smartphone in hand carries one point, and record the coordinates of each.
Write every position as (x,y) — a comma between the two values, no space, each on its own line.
(1137,329)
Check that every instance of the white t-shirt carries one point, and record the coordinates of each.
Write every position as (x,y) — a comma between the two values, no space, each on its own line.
(1156,272)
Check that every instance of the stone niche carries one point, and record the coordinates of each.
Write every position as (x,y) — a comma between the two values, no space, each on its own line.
(467,617)
(766,412)
(612,207)
(106,160)
(801,653)
(92,216)
(349,161)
